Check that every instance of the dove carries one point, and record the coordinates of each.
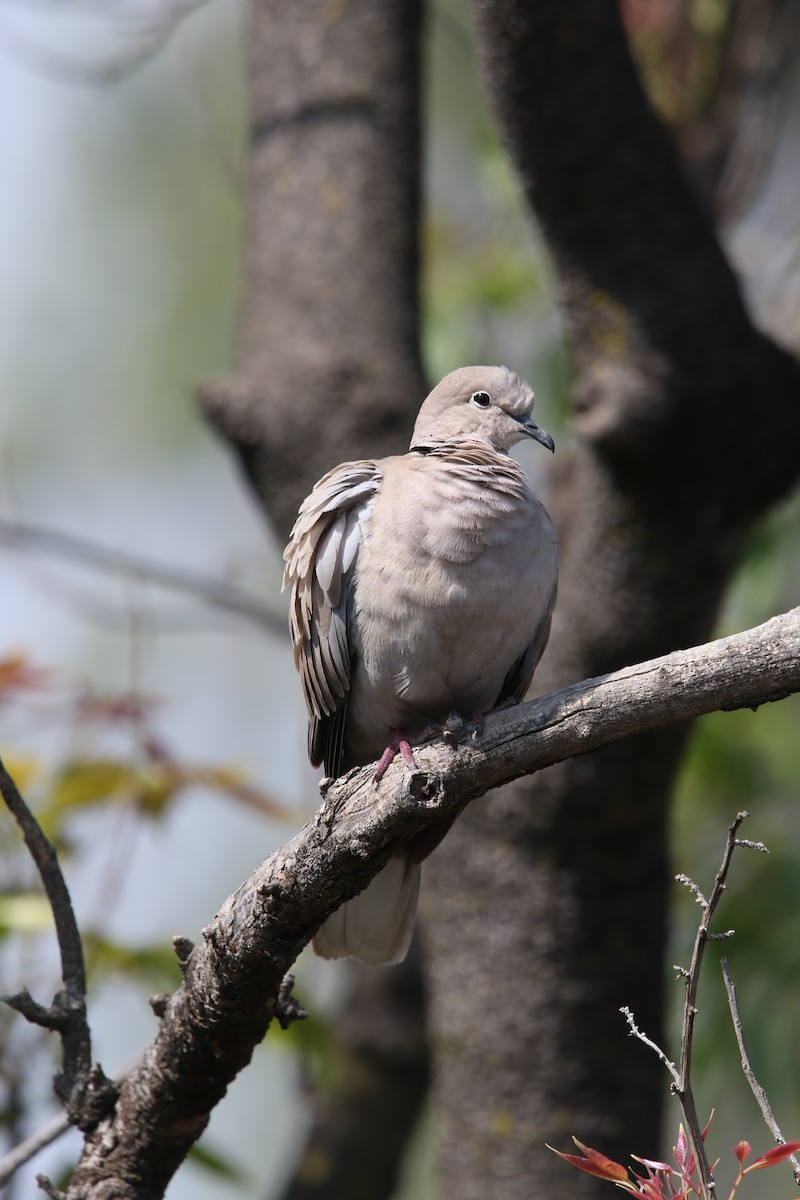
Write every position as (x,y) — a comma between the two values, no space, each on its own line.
(422,586)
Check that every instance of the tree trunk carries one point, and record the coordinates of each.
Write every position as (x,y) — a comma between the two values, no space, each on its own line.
(327,365)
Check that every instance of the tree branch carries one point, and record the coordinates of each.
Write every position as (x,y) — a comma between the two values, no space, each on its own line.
(756,1088)
(232,980)
(68,1010)
(83,1089)
(17,1157)
(214,592)
(637,1033)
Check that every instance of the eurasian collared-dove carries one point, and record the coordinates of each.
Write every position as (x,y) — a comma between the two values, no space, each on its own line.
(422,585)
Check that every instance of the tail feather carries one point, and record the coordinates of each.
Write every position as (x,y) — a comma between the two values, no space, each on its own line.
(375,927)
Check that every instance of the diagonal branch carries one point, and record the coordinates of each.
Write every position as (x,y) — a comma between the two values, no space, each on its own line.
(205,588)
(760,1095)
(22,1153)
(232,980)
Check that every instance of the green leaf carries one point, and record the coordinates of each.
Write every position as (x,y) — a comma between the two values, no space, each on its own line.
(83,782)
(155,963)
(25,912)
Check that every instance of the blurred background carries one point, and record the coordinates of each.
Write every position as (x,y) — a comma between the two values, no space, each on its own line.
(148,704)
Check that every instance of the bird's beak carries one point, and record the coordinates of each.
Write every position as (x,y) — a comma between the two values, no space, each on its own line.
(532,430)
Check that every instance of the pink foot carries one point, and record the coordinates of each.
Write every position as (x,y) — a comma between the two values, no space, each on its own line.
(397,742)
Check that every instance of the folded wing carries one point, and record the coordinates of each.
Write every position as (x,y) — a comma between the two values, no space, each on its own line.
(320,563)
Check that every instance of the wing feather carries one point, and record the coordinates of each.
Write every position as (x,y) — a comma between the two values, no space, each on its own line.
(320,562)
(519,677)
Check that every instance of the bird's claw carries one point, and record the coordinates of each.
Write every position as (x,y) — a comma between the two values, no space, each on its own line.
(398,742)
(453,728)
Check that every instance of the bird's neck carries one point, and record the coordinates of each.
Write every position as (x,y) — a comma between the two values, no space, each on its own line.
(474,464)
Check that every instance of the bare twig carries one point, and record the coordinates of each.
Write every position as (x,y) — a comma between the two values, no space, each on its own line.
(84,1090)
(22,1153)
(177,579)
(693,888)
(49,1189)
(45,858)
(636,1032)
(755,1086)
(11,1162)
(683,1087)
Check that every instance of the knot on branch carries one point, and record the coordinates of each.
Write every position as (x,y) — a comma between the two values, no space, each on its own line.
(159,1003)
(89,1099)
(423,787)
(287,1007)
(183,947)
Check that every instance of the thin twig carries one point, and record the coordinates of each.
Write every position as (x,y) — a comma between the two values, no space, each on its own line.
(177,579)
(693,888)
(45,859)
(755,1086)
(84,1091)
(11,1162)
(683,1088)
(25,1151)
(49,1189)
(681,1085)
(636,1032)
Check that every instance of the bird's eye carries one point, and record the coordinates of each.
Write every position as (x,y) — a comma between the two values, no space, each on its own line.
(480,399)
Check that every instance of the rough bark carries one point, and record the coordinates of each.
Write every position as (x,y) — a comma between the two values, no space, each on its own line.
(686,422)
(234,980)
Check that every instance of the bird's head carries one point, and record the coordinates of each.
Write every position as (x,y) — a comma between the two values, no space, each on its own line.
(488,404)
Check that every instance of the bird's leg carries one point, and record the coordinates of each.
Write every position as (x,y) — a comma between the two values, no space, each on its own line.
(476,720)
(452,729)
(397,742)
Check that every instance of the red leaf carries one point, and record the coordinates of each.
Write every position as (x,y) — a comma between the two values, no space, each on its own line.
(17,674)
(594,1163)
(775,1155)
(652,1163)
(681,1148)
(615,1170)
(652,1189)
(741,1150)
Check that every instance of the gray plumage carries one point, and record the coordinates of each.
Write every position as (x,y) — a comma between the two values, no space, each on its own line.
(422,585)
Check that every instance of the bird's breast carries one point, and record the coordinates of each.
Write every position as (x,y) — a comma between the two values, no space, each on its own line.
(454,579)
